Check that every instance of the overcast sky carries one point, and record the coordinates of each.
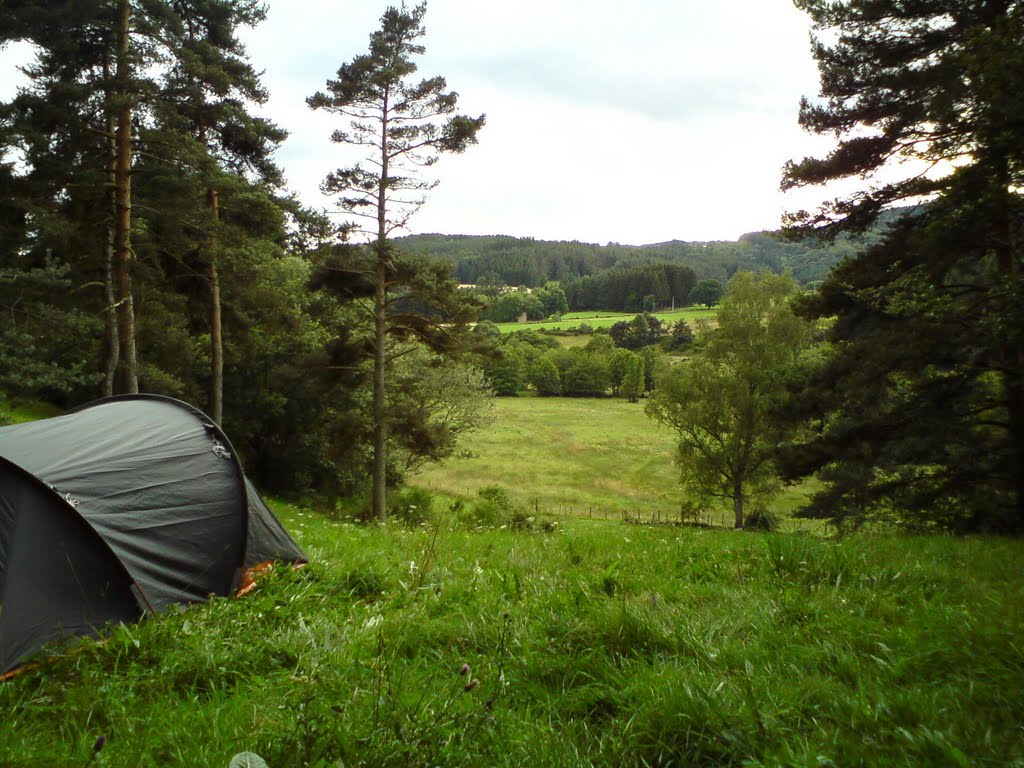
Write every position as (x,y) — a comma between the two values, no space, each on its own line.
(606,122)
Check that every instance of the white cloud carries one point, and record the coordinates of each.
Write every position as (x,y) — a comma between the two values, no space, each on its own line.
(666,119)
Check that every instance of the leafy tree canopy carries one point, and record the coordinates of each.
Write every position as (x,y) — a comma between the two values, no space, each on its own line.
(720,400)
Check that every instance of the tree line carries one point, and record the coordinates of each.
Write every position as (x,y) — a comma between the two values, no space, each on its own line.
(147,244)
(509,261)
(616,362)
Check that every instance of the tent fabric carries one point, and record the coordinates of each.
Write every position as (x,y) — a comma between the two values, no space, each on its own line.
(268,539)
(59,578)
(134,496)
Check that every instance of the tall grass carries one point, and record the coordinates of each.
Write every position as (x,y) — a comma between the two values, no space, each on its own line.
(598,644)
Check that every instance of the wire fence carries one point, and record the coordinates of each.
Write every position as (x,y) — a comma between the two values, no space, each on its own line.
(639,515)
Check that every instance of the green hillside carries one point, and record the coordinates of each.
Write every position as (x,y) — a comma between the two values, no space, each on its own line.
(525,261)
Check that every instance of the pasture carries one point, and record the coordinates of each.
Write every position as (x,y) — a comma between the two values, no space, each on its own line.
(580,457)
(692,315)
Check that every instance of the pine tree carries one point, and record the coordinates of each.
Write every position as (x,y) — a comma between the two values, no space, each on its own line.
(919,409)
(137,112)
(203,121)
(405,124)
(63,126)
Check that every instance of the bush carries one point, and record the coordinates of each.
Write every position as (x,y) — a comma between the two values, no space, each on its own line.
(588,376)
(545,378)
(408,507)
(495,508)
(356,508)
(411,507)
(761,520)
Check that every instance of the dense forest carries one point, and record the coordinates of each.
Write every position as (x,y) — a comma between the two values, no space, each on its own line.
(528,262)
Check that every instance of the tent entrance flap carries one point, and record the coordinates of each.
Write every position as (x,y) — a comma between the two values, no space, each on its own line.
(59,578)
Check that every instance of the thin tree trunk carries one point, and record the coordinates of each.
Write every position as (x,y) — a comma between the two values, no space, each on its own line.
(1011,354)
(380,432)
(215,404)
(110,311)
(216,339)
(128,377)
(380,429)
(110,315)
(737,507)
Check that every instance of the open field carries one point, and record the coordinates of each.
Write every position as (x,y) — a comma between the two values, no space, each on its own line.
(578,456)
(691,315)
(596,645)
(567,454)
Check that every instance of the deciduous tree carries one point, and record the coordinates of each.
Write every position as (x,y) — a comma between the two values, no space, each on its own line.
(719,401)
(707,292)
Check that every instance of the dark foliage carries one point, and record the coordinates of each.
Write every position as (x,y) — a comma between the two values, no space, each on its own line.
(916,414)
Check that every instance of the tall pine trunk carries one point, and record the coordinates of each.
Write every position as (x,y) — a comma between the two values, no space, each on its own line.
(110,309)
(380,429)
(127,364)
(216,338)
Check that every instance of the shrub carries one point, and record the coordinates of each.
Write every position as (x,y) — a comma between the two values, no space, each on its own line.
(545,378)
(411,507)
(495,508)
(761,520)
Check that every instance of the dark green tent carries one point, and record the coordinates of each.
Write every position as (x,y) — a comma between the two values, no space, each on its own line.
(123,506)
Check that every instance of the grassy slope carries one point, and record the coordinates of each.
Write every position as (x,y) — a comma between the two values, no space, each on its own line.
(19,411)
(576,456)
(597,645)
(691,315)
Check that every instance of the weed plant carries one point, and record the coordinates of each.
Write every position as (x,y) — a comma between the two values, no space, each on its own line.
(594,645)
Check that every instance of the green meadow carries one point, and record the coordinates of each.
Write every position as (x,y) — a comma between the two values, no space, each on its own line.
(584,457)
(691,315)
(595,644)
(480,636)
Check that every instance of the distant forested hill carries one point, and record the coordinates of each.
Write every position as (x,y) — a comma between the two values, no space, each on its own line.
(524,261)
